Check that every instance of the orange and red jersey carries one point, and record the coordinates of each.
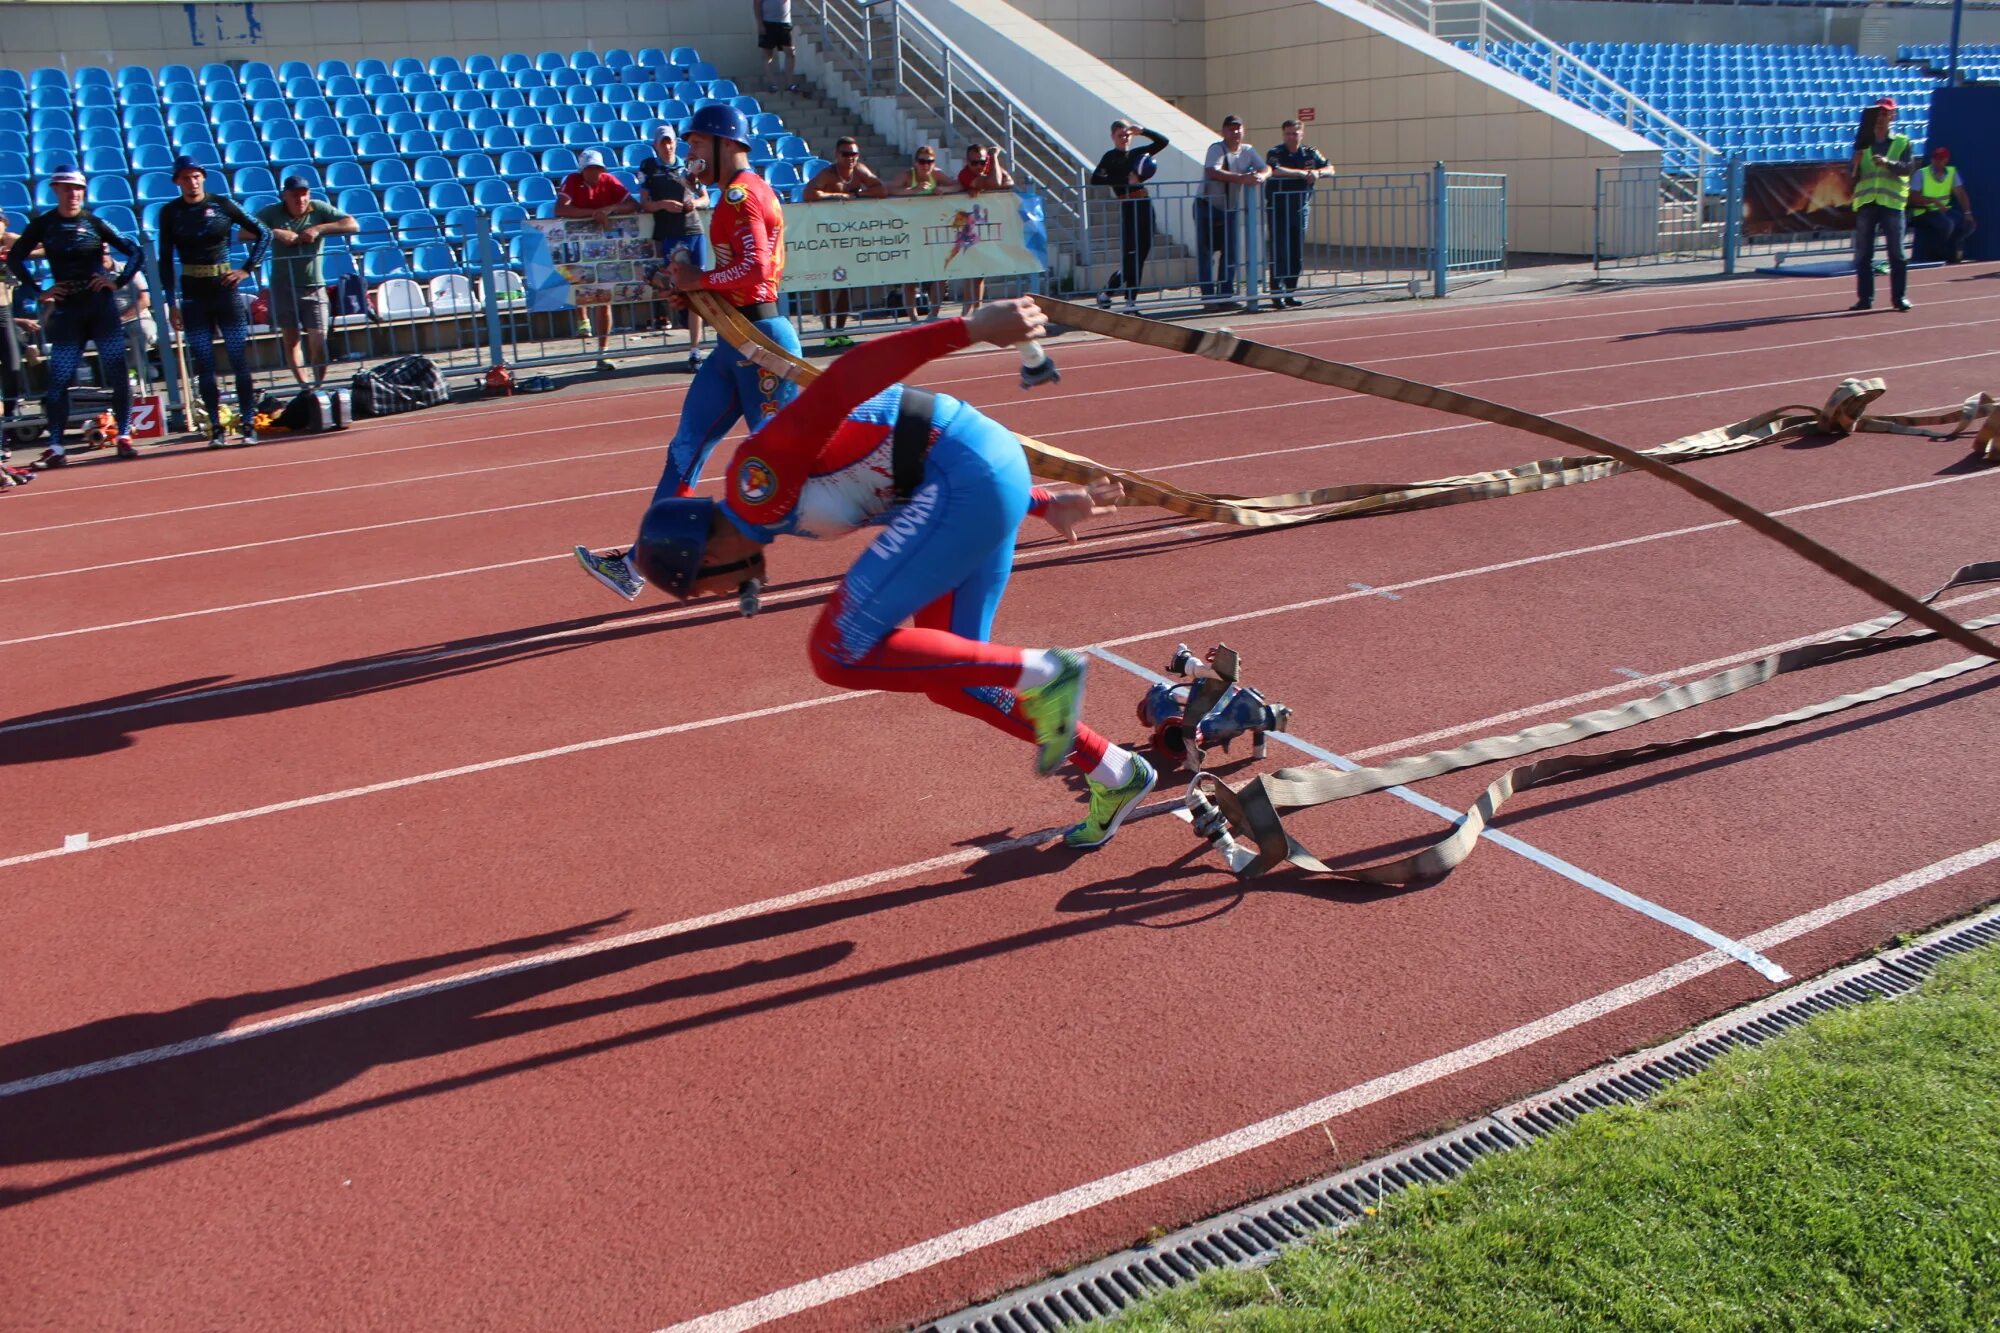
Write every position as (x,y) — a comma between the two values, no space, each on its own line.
(747,237)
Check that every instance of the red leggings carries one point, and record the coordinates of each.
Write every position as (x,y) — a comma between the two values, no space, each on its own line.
(965,675)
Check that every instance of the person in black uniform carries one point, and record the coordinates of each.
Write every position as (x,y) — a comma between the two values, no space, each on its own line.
(1295,170)
(78,307)
(196,229)
(1121,170)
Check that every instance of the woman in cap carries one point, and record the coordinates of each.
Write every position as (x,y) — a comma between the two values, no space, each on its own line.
(196,229)
(78,306)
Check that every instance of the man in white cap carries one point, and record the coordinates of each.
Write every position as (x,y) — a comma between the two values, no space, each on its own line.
(593,193)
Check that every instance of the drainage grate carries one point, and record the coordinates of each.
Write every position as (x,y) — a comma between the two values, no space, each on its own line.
(1254,1234)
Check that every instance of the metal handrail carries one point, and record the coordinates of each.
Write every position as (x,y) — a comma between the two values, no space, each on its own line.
(895,51)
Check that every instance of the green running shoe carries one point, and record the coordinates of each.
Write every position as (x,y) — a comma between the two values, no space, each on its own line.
(1054,709)
(1110,805)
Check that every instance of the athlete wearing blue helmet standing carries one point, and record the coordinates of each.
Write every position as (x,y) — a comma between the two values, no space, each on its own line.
(746,238)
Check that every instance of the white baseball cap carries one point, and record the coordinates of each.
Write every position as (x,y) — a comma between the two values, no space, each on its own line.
(591,158)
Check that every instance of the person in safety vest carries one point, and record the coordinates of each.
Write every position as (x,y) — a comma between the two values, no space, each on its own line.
(1881,191)
(1940,228)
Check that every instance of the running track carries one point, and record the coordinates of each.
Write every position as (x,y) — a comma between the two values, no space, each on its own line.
(399,933)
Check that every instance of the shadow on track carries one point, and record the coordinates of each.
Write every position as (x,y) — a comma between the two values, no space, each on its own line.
(1736,325)
(227,1097)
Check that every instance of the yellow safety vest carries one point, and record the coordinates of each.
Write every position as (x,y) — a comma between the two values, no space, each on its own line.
(1935,191)
(1878,185)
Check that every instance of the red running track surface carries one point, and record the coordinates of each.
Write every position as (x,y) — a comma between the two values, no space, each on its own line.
(400,933)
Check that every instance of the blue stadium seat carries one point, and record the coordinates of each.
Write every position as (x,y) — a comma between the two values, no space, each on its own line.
(508,219)
(236,131)
(341,85)
(634,155)
(792,147)
(460,224)
(541,136)
(546,61)
(722,89)
(468,101)
(244,153)
(476,166)
(374,147)
(194,132)
(119,217)
(616,96)
(152,157)
(388,171)
(406,122)
(48,140)
(253,180)
(417,143)
(135,97)
(447,194)
(514,60)
(782,173)
(508,99)
(492,191)
(702,72)
(558,162)
(767,123)
(652,57)
(382,262)
(290,155)
(443,65)
(684,57)
(297,90)
(94,96)
(294,69)
(92,136)
(525,80)
(91,76)
(305,108)
(109,190)
(429,104)
(637,113)
(216,73)
(370,68)
(409,67)
(459,141)
(48,77)
(580,136)
(430,170)
(228,113)
(562,116)
(320,127)
(598,76)
(584,60)
(356,200)
(420,225)
(347,108)
(333,148)
(437,122)
(599,114)
(345,175)
(262,90)
(480,64)
(499,139)
(13,166)
(536,190)
(275,108)
(400,199)
(433,259)
(458,81)
(391,103)
(171,74)
(544,97)
(484,120)
(672,109)
(565,79)
(492,81)
(203,153)
(519,164)
(131,75)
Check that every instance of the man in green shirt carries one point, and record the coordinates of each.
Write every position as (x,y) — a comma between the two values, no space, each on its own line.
(298,224)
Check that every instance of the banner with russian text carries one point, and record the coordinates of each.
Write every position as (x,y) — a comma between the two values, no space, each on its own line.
(838,243)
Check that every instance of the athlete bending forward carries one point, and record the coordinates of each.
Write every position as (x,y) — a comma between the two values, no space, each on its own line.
(950,487)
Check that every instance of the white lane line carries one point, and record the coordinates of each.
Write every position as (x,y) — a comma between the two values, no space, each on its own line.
(1164,467)
(1392,592)
(330,532)
(821,1291)
(331,490)
(76,842)
(1568,870)
(420,779)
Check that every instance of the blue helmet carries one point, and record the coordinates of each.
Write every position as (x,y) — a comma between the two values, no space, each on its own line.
(672,540)
(723,121)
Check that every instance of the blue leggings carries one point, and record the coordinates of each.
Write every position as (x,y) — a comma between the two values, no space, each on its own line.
(85,317)
(207,308)
(727,388)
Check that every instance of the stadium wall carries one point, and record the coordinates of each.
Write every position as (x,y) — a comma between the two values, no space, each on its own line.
(65,35)
(1385,96)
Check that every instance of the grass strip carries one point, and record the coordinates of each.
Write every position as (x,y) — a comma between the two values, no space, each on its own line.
(1843,1176)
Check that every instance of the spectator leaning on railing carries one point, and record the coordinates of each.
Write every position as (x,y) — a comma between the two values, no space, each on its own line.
(1229,168)
(1126,171)
(1295,170)
(923,178)
(847,177)
(674,199)
(981,173)
(594,193)
(299,225)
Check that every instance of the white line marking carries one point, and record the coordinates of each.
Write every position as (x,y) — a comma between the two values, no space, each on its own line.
(331,532)
(1164,467)
(440,775)
(76,842)
(1378,592)
(1547,860)
(1630,673)
(820,1291)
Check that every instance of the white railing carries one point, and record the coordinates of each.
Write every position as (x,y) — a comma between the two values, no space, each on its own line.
(890,50)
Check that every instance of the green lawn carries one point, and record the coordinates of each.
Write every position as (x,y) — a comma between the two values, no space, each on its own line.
(1845,1176)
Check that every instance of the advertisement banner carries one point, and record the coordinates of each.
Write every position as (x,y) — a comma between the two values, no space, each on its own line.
(839,243)
(1780,198)
(576,261)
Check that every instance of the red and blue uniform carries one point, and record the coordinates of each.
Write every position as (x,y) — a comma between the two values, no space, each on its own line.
(822,467)
(746,236)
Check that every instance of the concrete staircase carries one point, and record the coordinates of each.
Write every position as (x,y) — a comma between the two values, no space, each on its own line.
(819,120)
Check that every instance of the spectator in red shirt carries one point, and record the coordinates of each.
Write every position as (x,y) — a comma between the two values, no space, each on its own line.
(592,192)
(982,172)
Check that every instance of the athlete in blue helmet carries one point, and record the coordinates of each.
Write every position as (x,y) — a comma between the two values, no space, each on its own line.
(948,486)
(746,237)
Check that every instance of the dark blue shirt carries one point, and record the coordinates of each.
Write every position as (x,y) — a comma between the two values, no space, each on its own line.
(200,233)
(74,248)
(1307,158)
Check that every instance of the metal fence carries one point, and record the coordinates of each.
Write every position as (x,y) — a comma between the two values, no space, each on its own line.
(1644,219)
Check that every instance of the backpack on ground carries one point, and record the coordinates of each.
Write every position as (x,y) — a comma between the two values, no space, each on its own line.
(402,385)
